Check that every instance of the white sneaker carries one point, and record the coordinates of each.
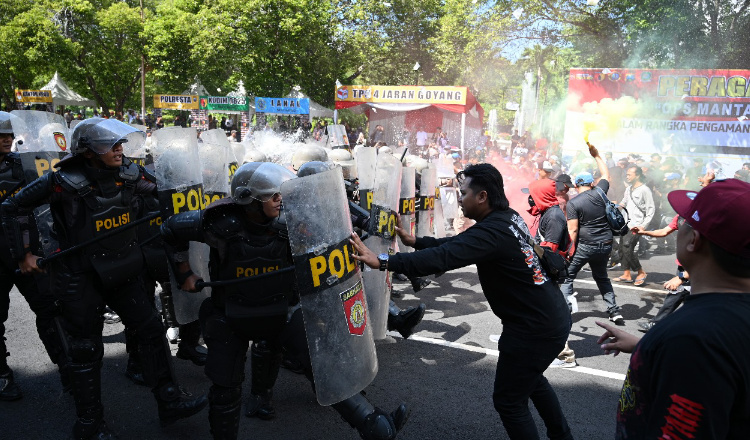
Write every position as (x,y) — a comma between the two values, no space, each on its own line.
(617,319)
(559,363)
(173,334)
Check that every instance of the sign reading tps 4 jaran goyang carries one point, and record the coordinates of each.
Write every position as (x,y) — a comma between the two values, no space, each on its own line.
(283,106)
(403,94)
(668,111)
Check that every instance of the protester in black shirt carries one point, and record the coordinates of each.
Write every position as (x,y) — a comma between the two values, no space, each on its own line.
(534,314)
(591,236)
(689,377)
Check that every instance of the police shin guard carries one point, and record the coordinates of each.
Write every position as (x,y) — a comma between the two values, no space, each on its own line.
(224,412)
(55,341)
(265,366)
(372,423)
(405,320)
(134,369)
(158,373)
(87,389)
(188,348)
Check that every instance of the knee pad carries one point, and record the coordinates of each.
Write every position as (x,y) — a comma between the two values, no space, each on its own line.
(84,351)
(219,395)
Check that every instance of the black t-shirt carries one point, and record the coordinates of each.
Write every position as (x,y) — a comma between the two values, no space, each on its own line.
(689,377)
(553,227)
(518,290)
(589,209)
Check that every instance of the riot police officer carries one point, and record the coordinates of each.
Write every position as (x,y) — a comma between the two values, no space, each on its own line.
(90,196)
(34,289)
(248,239)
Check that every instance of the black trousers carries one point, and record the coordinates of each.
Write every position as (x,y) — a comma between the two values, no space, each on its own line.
(628,257)
(520,377)
(35,290)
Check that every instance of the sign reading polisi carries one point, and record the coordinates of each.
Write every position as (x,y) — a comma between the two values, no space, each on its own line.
(176,102)
(283,106)
(403,94)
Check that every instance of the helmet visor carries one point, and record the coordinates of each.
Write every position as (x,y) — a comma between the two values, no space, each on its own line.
(100,135)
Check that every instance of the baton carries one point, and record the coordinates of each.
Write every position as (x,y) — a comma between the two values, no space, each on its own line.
(403,155)
(41,262)
(200,284)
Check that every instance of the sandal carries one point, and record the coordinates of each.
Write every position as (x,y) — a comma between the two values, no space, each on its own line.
(622,280)
(640,281)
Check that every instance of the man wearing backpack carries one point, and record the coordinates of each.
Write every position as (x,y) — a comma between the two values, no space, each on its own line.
(591,236)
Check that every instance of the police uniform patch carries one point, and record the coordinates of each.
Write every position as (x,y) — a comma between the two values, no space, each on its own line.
(355,309)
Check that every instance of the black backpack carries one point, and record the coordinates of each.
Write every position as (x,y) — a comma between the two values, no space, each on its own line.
(617,221)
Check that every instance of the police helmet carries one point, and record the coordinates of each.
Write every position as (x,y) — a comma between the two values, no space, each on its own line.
(385,150)
(314,167)
(100,135)
(6,127)
(254,156)
(258,181)
(306,154)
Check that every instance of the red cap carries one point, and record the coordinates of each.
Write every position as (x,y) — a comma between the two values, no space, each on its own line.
(720,212)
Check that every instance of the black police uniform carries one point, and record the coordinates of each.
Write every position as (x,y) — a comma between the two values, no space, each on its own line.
(34,289)
(257,311)
(86,202)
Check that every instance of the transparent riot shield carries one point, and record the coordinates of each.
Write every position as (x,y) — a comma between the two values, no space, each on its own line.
(382,239)
(406,206)
(42,139)
(334,306)
(366,161)
(439,223)
(425,204)
(215,160)
(136,151)
(179,177)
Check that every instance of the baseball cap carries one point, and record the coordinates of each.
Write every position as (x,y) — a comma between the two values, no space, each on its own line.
(546,166)
(584,178)
(719,212)
(563,181)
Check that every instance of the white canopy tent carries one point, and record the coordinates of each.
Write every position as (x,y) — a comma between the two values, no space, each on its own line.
(64,95)
(316,110)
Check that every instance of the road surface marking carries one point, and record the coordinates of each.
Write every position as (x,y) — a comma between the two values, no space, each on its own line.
(495,353)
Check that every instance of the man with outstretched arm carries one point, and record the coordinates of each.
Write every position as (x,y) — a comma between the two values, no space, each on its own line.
(535,316)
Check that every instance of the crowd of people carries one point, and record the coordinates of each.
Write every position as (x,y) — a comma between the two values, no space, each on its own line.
(526,273)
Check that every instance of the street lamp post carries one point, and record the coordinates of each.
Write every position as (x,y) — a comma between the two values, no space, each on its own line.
(416,70)
(143,77)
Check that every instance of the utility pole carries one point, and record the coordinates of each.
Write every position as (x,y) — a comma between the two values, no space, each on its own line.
(143,76)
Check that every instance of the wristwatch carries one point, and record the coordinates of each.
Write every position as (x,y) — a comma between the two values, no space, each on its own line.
(383,259)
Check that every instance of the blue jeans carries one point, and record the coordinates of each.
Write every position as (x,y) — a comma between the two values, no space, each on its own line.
(597,257)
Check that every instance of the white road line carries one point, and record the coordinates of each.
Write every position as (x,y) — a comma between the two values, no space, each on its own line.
(495,353)
(625,286)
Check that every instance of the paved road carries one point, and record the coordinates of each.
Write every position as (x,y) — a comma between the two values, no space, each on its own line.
(444,373)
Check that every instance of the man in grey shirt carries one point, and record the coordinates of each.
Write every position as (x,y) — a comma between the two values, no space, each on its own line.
(639,202)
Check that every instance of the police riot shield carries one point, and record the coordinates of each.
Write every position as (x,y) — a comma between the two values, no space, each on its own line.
(425,203)
(42,139)
(366,161)
(217,157)
(136,151)
(334,306)
(179,178)
(406,205)
(385,203)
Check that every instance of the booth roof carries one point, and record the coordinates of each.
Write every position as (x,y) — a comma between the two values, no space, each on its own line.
(64,95)
(471,104)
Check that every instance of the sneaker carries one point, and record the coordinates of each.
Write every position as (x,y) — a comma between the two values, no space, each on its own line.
(617,319)
(110,317)
(173,334)
(645,326)
(559,363)
(613,266)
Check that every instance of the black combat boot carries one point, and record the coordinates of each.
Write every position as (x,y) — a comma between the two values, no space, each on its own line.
(405,320)
(419,283)
(372,423)
(188,348)
(173,405)
(134,370)
(265,366)
(224,412)
(8,388)
(85,379)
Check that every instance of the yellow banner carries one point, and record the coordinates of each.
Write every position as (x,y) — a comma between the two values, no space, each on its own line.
(403,94)
(33,96)
(176,102)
